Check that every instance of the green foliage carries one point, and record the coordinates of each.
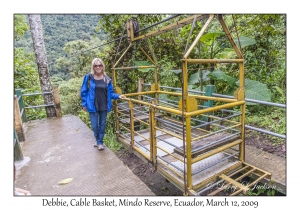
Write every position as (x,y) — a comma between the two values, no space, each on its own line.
(266,60)
(260,189)
(60,29)
(269,118)
(219,75)
(25,71)
(70,96)
(256,90)
(211,36)
(253,89)
(144,63)
(20,26)
(244,41)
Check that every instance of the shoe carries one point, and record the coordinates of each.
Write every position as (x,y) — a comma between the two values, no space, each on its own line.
(100,147)
(95,144)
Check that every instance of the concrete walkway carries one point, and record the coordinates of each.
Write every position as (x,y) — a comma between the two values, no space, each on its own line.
(60,148)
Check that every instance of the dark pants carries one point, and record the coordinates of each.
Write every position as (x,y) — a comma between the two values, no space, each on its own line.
(98,122)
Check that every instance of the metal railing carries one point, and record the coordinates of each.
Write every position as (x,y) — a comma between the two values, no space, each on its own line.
(22,104)
(20,109)
(247,100)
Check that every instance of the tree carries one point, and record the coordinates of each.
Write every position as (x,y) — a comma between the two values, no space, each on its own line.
(41,59)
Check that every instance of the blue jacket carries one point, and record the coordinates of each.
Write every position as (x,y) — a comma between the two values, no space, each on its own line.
(88,94)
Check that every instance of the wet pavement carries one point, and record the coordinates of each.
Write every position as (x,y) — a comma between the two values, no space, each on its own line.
(60,148)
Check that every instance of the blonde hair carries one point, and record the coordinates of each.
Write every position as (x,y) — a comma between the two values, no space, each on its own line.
(93,63)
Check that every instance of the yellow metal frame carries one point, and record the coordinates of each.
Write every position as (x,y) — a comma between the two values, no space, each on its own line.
(187,107)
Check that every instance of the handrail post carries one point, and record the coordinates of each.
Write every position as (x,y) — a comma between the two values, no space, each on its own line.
(140,88)
(18,155)
(130,103)
(209,90)
(56,101)
(18,121)
(21,104)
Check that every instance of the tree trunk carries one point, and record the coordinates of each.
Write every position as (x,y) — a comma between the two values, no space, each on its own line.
(41,59)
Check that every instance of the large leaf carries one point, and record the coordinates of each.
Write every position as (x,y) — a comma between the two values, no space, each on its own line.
(245,41)
(176,71)
(210,36)
(143,63)
(219,75)
(195,78)
(254,90)
(257,91)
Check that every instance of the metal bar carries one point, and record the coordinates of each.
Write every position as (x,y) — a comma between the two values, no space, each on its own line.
(216,142)
(215,151)
(252,183)
(21,104)
(122,55)
(122,114)
(34,94)
(226,96)
(194,91)
(149,58)
(170,27)
(210,186)
(219,131)
(152,135)
(216,108)
(213,164)
(188,153)
(235,183)
(191,31)
(167,132)
(169,18)
(218,119)
(178,174)
(136,142)
(179,169)
(168,152)
(142,153)
(134,67)
(236,49)
(174,111)
(212,123)
(141,136)
(22,110)
(230,97)
(172,124)
(198,36)
(253,101)
(199,97)
(173,145)
(194,61)
(39,106)
(175,130)
(225,187)
(141,121)
(266,132)
(125,128)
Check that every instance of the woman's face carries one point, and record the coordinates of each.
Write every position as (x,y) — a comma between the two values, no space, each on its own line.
(98,67)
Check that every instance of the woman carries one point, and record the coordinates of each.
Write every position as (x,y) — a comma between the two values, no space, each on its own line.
(96,94)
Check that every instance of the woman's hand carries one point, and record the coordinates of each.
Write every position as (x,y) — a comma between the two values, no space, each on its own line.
(84,109)
(122,96)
